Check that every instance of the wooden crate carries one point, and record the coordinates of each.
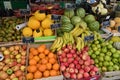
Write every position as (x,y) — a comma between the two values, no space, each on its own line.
(114,75)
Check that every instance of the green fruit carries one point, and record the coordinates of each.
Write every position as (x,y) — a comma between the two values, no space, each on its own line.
(101,58)
(93,56)
(9,71)
(107,58)
(111,42)
(113,50)
(109,53)
(96,65)
(95,48)
(93,45)
(96,42)
(115,61)
(111,63)
(115,55)
(90,52)
(102,54)
(105,63)
(110,68)
(97,52)
(104,69)
(96,61)
(116,67)
(15,79)
(98,46)
(109,46)
(104,50)
(100,64)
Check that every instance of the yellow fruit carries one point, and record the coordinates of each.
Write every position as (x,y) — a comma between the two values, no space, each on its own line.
(32,17)
(48,32)
(33,23)
(27,32)
(39,16)
(37,33)
(117,20)
(112,23)
(46,23)
(49,16)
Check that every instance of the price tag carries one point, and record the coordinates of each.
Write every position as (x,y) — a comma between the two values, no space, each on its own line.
(28,40)
(70,6)
(55,17)
(55,26)
(1,57)
(89,38)
(119,29)
(109,36)
(106,23)
(7,4)
(24,11)
(105,30)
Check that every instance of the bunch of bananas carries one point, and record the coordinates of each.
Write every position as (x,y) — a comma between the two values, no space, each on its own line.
(79,43)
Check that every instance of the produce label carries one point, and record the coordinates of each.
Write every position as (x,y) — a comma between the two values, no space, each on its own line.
(24,11)
(109,36)
(55,26)
(106,23)
(89,38)
(70,6)
(55,17)
(119,29)
(28,40)
(7,4)
(105,30)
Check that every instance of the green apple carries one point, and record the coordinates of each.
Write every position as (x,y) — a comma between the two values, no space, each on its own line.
(100,64)
(111,63)
(95,48)
(104,69)
(104,50)
(98,46)
(101,58)
(114,60)
(9,71)
(102,54)
(107,58)
(109,46)
(110,68)
(113,50)
(116,55)
(111,42)
(109,53)
(116,67)
(97,52)
(105,63)
(96,42)
(18,56)
(93,56)
(96,61)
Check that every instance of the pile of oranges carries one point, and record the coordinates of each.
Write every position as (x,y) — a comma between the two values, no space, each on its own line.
(42,63)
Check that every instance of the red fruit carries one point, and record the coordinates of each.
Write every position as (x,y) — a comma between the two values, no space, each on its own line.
(95,69)
(75,62)
(23,62)
(81,62)
(74,55)
(7,56)
(83,66)
(88,58)
(67,69)
(71,70)
(87,69)
(86,48)
(87,63)
(63,55)
(91,66)
(62,68)
(79,76)
(18,73)
(73,76)
(63,48)
(64,59)
(76,70)
(59,52)
(69,47)
(81,71)
(91,61)
(23,57)
(77,58)
(84,57)
(73,51)
(19,65)
(14,63)
(66,64)
(71,65)
(22,78)
(69,55)
(78,66)
(92,73)
(66,50)
(70,60)
(66,74)
(86,75)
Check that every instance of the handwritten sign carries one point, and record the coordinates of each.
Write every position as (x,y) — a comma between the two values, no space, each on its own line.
(89,38)
(28,40)
(55,17)
(24,11)
(106,23)
(55,26)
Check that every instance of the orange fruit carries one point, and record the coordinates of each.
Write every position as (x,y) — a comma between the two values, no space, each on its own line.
(41,48)
(56,66)
(44,61)
(30,56)
(38,65)
(34,52)
(29,76)
(42,68)
(32,62)
(58,72)
(49,66)
(53,73)
(37,75)
(55,56)
(32,68)
(46,51)
(46,73)
(52,60)
(50,55)
(41,55)
(31,49)
(36,58)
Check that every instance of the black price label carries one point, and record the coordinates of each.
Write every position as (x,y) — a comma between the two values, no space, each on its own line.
(42,11)
(55,26)
(89,38)
(106,23)
(28,40)
(24,11)
(70,6)
(118,28)
(55,17)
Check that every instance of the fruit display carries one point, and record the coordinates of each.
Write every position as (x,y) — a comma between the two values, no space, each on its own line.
(78,20)
(38,25)
(114,24)
(106,57)
(8,31)
(42,63)
(13,66)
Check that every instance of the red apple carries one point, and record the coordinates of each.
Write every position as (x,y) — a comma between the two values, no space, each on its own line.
(66,74)
(79,76)
(23,53)
(86,75)
(23,62)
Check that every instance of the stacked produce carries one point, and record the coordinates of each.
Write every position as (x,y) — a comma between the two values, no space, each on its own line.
(8,31)
(13,65)
(106,57)
(38,25)
(42,63)
(77,22)
(114,24)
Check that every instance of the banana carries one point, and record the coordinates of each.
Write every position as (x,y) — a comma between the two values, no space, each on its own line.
(79,32)
(82,43)
(78,41)
(87,33)
(83,36)
(74,30)
(60,44)
(79,25)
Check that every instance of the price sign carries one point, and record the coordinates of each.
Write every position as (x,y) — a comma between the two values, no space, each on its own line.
(70,6)
(28,40)
(109,36)
(105,30)
(24,11)
(119,29)
(89,38)
(55,26)
(55,17)
(106,23)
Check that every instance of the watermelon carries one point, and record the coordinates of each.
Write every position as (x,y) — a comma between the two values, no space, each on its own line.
(67,27)
(80,12)
(65,19)
(94,26)
(75,20)
(69,13)
(89,18)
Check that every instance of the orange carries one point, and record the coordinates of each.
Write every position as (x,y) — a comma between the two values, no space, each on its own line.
(32,62)
(41,55)
(31,49)
(29,76)
(56,66)
(46,51)
(36,58)
(55,56)
(42,68)
(37,75)
(58,72)
(53,73)
(30,56)
(50,55)
(46,73)
(52,60)
(34,52)
(32,68)
(41,48)
(49,66)
(44,61)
